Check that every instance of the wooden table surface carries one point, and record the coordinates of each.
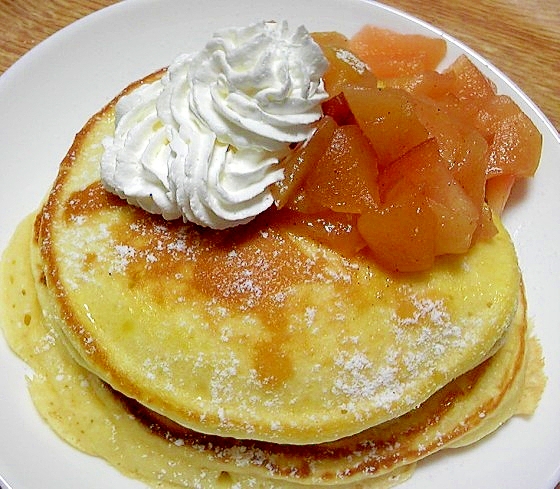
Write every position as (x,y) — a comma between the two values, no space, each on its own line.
(521,38)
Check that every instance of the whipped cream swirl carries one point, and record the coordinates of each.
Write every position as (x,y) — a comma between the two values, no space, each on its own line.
(204,141)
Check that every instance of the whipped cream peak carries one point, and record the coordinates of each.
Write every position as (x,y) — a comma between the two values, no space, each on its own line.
(204,141)
(259,81)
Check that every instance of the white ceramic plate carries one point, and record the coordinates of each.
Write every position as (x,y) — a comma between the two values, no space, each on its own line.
(47,96)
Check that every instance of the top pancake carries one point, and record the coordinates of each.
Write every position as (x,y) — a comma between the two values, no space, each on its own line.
(93,417)
(256,332)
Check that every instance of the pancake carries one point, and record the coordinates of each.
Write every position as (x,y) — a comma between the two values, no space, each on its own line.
(93,417)
(256,332)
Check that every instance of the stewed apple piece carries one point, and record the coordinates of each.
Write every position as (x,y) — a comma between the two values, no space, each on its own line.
(515,143)
(337,230)
(432,84)
(392,54)
(345,178)
(387,118)
(301,160)
(345,68)
(401,234)
(421,172)
(412,166)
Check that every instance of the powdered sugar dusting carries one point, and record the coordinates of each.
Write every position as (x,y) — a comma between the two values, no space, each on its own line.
(426,308)
(351,59)
(359,379)
(123,255)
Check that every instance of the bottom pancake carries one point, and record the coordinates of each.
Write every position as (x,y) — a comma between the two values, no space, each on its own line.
(85,412)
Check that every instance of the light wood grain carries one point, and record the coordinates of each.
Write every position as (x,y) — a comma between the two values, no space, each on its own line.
(520,38)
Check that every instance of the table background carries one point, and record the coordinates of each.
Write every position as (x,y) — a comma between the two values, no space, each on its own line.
(521,38)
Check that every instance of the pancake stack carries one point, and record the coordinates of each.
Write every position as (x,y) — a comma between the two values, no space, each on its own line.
(254,357)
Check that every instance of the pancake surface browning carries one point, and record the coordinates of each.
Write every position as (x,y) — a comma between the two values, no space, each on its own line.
(90,415)
(255,332)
